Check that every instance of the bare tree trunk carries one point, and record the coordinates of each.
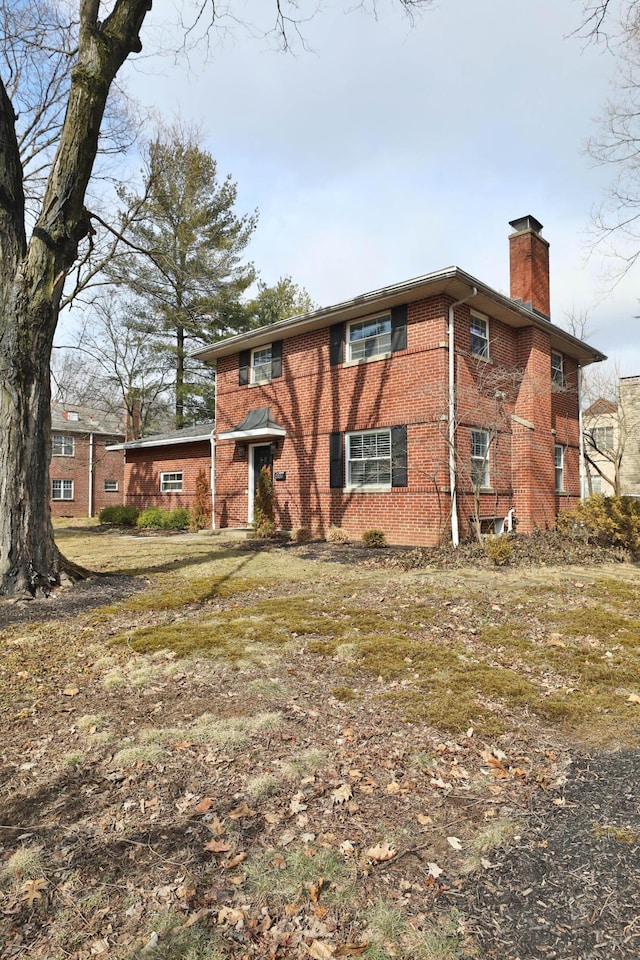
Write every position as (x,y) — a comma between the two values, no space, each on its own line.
(32,277)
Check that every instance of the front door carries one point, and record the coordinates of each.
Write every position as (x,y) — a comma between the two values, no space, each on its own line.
(260,457)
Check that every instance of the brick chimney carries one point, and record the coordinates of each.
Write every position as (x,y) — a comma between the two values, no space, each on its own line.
(529,265)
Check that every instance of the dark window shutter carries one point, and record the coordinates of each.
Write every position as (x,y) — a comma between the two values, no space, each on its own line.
(399,328)
(399,456)
(336,340)
(243,367)
(276,359)
(336,466)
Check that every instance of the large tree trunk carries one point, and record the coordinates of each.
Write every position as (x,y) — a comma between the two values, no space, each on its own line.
(32,277)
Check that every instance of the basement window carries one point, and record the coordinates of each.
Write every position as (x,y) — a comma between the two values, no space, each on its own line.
(111,486)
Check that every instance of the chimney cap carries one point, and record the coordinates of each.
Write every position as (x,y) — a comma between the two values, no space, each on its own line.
(526,223)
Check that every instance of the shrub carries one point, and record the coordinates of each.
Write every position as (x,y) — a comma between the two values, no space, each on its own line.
(154,518)
(301,535)
(201,505)
(337,535)
(374,538)
(119,516)
(263,512)
(606,520)
(151,518)
(499,550)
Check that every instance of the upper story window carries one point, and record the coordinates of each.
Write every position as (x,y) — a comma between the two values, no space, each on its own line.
(261,363)
(171,482)
(479,331)
(480,459)
(602,438)
(559,467)
(62,489)
(557,369)
(369,459)
(62,446)
(368,338)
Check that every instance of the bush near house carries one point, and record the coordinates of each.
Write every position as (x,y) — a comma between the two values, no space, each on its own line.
(263,512)
(119,516)
(201,504)
(154,518)
(611,521)
(374,538)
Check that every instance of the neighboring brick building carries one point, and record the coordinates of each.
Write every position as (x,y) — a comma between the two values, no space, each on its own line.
(84,475)
(161,470)
(412,409)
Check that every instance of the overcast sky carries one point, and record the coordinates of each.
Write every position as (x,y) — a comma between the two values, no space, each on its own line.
(386,151)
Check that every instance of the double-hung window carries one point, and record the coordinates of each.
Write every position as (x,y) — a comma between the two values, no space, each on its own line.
(171,482)
(62,489)
(369,459)
(557,369)
(559,467)
(480,459)
(369,338)
(62,446)
(602,438)
(261,362)
(479,335)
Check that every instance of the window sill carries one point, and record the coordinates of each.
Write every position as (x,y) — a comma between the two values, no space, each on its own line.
(378,356)
(68,456)
(260,383)
(370,488)
(479,356)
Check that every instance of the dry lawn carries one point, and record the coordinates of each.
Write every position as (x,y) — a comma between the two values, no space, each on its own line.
(263,754)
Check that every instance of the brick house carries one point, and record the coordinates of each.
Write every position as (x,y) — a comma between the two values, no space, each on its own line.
(612,441)
(84,475)
(161,469)
(426,408)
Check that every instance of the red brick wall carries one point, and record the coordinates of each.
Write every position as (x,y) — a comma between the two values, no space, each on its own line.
(313,399)
(144,466)
(529,270)
(107,465)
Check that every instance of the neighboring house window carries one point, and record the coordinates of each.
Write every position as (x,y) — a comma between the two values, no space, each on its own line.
(557,369)
(368,338)
(110,486)
(596,483)
(602,438)
(559,465)
(62,489)
(62,446)
(369,459)
(479,336)
(261,365)
(171,482)
(480,458)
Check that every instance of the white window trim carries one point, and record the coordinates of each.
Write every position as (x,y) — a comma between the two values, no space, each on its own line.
(65,484)
(600,445)
(266,366)
(558,468)
(367,487)
(557,372)
(65,440)
(111,489)
(485,483)
(486,354)
(381,355)
(165,479)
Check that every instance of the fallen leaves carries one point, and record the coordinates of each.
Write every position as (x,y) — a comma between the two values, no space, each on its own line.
(381,852)
(31,890)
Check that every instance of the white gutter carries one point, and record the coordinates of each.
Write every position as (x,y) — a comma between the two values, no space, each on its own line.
(455,532)
(90,474)
(213,452)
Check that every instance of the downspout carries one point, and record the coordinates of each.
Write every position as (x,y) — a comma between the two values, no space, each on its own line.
(583,467)
(213,450)
(90,474)
(455,533)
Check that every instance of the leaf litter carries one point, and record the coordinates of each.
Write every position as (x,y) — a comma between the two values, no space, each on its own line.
(171,852)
